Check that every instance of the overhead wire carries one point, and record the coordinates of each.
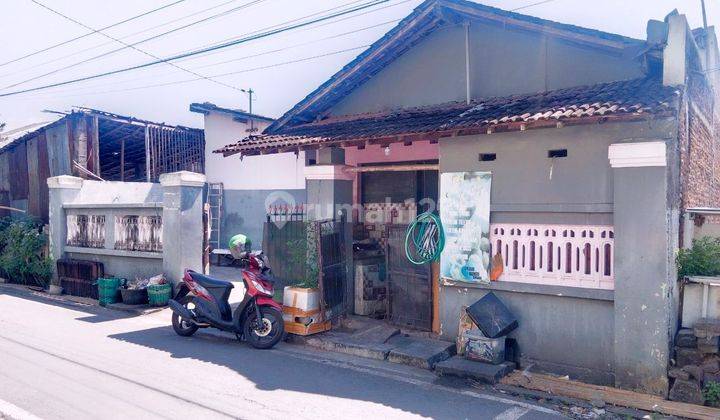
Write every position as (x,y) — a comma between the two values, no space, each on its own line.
(138,49)
(184,81)
(305,29)
(243,57)
(74,53)
(199,51)
(312,27)
(51,47)
(125,45)
(531,5)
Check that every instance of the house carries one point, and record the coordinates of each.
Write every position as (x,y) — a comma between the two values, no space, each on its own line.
(90,144)
(238,192)
(595,144)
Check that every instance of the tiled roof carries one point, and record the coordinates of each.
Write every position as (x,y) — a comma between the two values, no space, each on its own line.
(425,19)
(637,97)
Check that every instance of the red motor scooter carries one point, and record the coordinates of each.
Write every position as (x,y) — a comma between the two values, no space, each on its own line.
(202,301)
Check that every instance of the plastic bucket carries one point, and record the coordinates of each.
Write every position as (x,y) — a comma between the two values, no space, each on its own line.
(134,296)
(108,290)
(159,294)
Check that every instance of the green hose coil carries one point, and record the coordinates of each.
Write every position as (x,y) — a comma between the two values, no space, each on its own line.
(424,239)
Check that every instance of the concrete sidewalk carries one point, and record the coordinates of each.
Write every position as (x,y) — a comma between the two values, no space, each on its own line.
(375,339)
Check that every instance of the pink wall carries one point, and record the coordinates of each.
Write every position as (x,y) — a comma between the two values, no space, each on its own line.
(419,150)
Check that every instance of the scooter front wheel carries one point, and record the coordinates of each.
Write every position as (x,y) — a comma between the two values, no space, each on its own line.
(267,333)
(182,327)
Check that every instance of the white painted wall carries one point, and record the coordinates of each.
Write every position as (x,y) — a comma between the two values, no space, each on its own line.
(268,172)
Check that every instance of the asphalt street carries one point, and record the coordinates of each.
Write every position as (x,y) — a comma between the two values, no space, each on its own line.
(64,360)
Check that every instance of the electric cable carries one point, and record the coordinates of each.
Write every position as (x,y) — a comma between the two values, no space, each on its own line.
(200,51)
(14,60)
(125,45)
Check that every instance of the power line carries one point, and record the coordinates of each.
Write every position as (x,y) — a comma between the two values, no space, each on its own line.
(296,45)
(44,63)
(14,60)
(269,66)
(531,5)
(200,51)
(239,58)
(306,29)
(278,25)
(135,48)
(235,9)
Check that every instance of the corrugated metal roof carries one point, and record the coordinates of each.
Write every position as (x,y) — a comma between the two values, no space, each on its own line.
(9,137)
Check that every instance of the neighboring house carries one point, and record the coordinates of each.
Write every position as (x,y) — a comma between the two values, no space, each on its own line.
(596,144)
(246,185)
(89,143)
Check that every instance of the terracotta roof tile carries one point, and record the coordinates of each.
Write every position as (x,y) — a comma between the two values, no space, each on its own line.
(634,97)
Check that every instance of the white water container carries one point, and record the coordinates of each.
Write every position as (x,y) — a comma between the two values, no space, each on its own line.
(307,300)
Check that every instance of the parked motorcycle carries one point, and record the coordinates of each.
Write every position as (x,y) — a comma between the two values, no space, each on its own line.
(202,302)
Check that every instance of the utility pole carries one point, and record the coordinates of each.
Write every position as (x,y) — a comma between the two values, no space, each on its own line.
(250,94)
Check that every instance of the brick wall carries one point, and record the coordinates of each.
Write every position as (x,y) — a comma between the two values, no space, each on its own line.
(699,147)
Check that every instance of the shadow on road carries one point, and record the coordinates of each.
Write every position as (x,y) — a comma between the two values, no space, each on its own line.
(273,370)
(95,313)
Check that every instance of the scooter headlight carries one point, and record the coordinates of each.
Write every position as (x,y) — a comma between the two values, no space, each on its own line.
(261,288)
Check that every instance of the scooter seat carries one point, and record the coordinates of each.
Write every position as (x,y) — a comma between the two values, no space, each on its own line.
(210,282)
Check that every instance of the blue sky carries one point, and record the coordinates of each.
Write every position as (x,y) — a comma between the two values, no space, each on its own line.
(28,27)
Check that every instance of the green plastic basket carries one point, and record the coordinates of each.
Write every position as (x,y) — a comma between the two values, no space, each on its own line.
(159,294)
(108,290)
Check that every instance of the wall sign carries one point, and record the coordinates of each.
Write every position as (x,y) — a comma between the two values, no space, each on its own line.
(465,215)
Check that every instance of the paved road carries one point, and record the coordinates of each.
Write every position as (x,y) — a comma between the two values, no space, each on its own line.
(60,360)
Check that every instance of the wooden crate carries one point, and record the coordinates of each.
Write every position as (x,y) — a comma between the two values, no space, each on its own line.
(299,328)
(302,329)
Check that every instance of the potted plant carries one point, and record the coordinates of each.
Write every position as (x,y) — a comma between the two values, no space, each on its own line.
(304,296)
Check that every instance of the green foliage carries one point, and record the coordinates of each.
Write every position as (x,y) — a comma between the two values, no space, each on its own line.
(703,259)
(21,246)
(711,393)
(303,252)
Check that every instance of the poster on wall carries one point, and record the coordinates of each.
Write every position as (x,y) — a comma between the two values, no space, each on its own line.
(465,215)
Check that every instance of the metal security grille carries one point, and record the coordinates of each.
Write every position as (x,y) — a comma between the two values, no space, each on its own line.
(410,285)
(332,260)
(285,245)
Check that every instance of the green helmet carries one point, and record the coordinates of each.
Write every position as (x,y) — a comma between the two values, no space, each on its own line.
(240,242)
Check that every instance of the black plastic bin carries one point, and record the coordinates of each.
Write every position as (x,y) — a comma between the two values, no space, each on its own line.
(492,316)
(134,296)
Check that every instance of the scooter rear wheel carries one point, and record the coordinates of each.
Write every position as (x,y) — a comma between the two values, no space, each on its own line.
(183,328)
(267,334)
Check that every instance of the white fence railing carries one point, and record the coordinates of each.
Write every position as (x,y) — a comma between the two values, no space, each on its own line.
(561,255)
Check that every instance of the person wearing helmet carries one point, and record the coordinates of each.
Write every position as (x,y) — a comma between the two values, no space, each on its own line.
(240,245)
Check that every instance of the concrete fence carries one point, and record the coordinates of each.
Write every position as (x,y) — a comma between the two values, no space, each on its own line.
(136,229)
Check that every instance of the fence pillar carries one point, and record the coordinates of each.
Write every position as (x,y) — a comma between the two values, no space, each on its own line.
(61,189)
(182,223)
(330,196)
(646,231)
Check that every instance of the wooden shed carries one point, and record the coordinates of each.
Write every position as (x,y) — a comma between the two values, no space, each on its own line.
(91,144)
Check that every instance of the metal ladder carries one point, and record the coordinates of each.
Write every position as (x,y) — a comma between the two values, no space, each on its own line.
(215,199)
